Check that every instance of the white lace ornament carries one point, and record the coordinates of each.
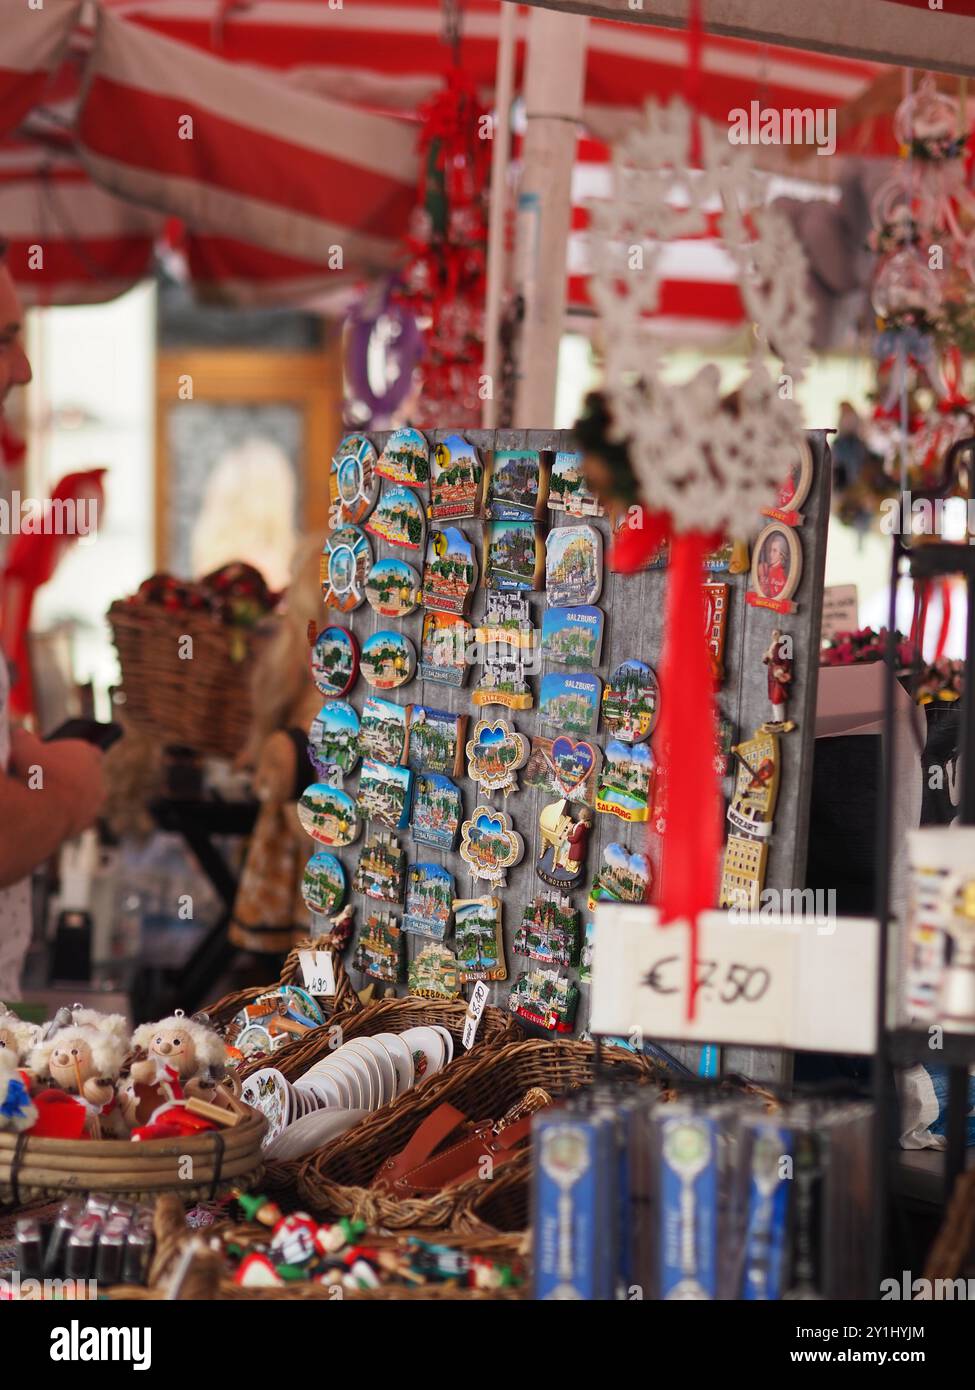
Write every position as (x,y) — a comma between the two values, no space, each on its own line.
(709,469)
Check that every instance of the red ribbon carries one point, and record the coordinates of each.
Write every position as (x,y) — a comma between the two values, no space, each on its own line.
(684,741)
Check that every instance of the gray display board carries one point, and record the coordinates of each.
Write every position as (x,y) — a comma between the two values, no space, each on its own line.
(634,608)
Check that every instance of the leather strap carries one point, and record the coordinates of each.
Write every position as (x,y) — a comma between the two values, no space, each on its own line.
(456,1164)
(437,1127)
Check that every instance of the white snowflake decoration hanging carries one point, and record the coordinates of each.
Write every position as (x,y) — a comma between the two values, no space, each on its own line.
(709,467)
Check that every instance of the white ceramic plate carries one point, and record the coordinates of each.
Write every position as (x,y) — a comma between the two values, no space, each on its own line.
(312,1132)
(336,1081)
(402,1059)
(267,1091)
(338,1066)
(448,1040)
(428,1052)
(387,1069)
(360,1047)
(366,1072)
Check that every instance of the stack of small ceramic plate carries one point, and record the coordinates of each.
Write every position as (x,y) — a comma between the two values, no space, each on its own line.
(339,1089)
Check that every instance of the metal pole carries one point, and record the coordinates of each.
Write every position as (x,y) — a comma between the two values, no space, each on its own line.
(503,90)
(553,99)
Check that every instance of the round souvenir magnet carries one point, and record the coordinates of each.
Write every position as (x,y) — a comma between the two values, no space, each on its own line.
(335,661)
(333,738)
(795,489)
(253,1040)
(328,815)
(323,884)
(393,588)
(631,702)
(346,561)
(776,562)
(388,659)
(354,478)
(301,1006)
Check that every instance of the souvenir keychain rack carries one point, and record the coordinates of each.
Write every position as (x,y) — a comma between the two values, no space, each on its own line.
(904,1046)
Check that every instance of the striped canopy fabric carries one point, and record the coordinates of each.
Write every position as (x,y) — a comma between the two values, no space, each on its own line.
(281,134)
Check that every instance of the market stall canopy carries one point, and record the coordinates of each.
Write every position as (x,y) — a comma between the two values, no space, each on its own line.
(278,136)
(940,37)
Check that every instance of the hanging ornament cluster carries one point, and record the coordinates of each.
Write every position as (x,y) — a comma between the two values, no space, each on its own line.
(703,461)
(444,281)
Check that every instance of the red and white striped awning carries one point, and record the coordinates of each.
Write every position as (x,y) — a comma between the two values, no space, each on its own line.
(300,142)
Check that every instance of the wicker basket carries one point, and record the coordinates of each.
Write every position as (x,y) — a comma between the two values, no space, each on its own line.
(500,1209)
(344,1000)
(202,704)
(335,1181)
(33,1168)
(209,1277)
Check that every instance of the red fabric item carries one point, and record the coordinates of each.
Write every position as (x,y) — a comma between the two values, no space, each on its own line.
(945,619)
(59,1116)
(683,743)
(13,449)
(33,558)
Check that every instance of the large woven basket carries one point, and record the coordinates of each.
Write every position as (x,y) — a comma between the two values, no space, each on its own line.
(209,1276)
(336,1180)
(202,704)
(196,1167)
(500,1209)
(344,1000)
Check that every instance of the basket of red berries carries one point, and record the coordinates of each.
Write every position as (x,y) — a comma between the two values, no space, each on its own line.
(185,650)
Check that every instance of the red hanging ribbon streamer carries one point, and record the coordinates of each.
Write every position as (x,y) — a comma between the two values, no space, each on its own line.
(685,738)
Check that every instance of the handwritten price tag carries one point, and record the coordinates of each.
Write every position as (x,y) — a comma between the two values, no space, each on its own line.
(761,981)
(475,1008)
(318,972)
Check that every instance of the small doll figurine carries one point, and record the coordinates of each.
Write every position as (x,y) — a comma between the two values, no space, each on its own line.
(185,1057)
(16,1037)
(17,1110)
(84,1060)
(778,659)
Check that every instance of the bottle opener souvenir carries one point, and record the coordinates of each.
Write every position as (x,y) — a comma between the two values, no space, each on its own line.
(631,702)
(564,767)
(573,566)
(385,793)
(334,661)
(564,830)
(516,485)
(393,588)
(405,459)
(346,560)
(437,811)
(489,846)
(689,1208)
(514,556)
(323,884)
(567,489)
(455,485)
(398,519)
(625,781)
(333,739)
(776,568)
(715,624)
(479,939)
(387,660)
(622,877)
(433,973)
(767,1216)
(354,481)
(379,950)
(382,731)
(328,815)
(573,636)
(449,571)
(494,755)
(429,900)
(435,740)
(570,702)
(795,489)
(546,999)
(444,648)
(549,931)
(779,664)
(379,872)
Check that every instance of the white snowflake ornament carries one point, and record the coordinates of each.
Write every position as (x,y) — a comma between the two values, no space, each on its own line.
(710,464)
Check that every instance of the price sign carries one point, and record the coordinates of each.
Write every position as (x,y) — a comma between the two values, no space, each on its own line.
(318,971)
(475,1008)
(840,609)
(762,980)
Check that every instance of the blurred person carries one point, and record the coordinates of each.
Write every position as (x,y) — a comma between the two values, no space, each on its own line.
(48,792)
